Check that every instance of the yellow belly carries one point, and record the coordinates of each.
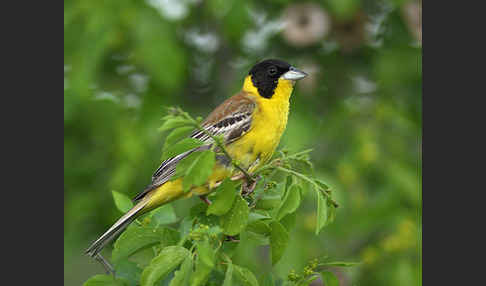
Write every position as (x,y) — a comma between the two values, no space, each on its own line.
(257,146)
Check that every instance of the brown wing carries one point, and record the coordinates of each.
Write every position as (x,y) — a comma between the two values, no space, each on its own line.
(232,119)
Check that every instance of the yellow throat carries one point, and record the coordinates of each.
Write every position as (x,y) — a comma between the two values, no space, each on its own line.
(268,124)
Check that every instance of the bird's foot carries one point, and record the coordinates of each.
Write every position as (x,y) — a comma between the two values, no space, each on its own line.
(205,199)
(248,187)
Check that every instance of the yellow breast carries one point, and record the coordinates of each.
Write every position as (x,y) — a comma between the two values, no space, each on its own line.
(268,124)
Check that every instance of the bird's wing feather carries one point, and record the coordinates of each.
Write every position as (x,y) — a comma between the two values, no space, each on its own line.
(232,119)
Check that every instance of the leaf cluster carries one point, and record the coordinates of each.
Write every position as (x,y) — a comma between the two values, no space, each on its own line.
(161,249)
(315,269)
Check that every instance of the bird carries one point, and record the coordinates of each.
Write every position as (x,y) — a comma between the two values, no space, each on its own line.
(251,124)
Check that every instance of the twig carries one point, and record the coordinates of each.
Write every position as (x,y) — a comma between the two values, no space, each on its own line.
(231,238)
(234,178)
(303,177)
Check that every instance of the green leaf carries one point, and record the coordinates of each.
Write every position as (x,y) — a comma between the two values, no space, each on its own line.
(259,232)
(215,230)
(279,238)
(257,216)
(177,134)
(229,248)
(291,202)
(224,197)
(204,263)
(182,276)
(206,253)
(136,238)
(185,226)
(237,218)
(271,199)
(228,278)
(306,187)
(129,271)
(104,280)
(172,123)
(170,237)
(167,260)
(259,239)
(268,202)
(182,146)
(289,221)
(163,215)
(199,171)
(321,211)
(329,278)
(259,227)
(245,276)
(198,209)
(183,165)
(122,201)
(143,257)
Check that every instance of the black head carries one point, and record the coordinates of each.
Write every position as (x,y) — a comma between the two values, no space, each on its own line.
(265,75)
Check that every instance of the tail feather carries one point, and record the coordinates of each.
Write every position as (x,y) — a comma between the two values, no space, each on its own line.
(115,229)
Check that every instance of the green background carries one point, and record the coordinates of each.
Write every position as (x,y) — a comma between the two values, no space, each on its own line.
(360,111)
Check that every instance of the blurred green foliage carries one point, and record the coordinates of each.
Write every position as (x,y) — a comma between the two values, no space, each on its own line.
(360,110)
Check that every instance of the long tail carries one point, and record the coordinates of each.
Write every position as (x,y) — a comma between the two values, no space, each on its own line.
(116,228)
(164,194)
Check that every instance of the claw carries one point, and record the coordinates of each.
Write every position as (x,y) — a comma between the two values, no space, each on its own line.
(248,189)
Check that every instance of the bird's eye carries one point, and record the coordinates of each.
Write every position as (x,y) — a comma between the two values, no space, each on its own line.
(272,70)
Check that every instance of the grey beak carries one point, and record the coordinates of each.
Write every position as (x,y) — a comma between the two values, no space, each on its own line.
(294,74)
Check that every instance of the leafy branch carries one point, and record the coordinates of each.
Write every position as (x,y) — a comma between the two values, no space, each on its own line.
(314,269)
(200,246)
